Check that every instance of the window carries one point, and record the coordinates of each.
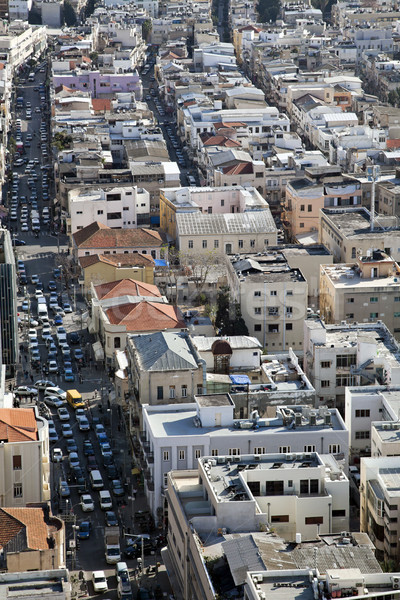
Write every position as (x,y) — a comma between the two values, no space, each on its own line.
(273,328)
(301,225)
(325,383)
(309,208)
(214,452)
(197,453)
(216,244)
(309,448)
(314,520)
(257,310)
(117,342)
(284,449)
(334,448)
(100,212)
(234,452)
(349,315)
(257,327)
(350,300)
(373,315)
(338,513)
(240,243)
(160,392)
(325,364)
(257,294)
(259,450)
(209,210)
(362,435)
(172,392)
(302,207)
(343,380)
(222,202)
(252,243)
(199,389)
(362,412)
(397,298)
(165,455)
(204,244)
(184,391)
(289,292)
(279,518)
(345,360)
(289,326)
(17,490)
(272,293)
(353,252)
(273,311)
(373,299)
(190,244)
(17,462)
(165,479)
(181,455)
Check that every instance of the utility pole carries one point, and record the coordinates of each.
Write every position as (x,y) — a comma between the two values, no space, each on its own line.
(373,172)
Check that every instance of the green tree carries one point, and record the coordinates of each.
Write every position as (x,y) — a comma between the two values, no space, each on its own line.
(229,320)
(146,29)
(268,10)
(62,140)
(89,8)
(69,14)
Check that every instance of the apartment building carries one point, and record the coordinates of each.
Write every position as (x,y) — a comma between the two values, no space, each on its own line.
(347,233)
(371,284)
(24,457)
(337,356)
(379,503)
(176,436)
(208,200)
(20,41)
(272,297)
(165,367)
(122,207)
(320,187)
(152,176)
(8,301)
(228,233)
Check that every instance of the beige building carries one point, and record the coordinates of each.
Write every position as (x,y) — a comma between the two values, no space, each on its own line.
(347,233)
(32,539)
(308,259)
(155,175)
(165,368)
(104,268)
(24,457)
(273,299)
(367,290)
(379,504)
(225,233)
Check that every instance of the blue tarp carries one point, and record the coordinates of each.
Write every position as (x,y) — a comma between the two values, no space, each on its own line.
(160,263)
(240,379)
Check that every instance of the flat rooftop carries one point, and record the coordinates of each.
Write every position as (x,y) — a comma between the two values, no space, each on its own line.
(388,431)
(345,276)
(354,223)
(214,400)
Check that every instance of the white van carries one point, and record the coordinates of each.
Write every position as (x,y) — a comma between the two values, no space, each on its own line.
(105,499)
(42,311)
(96,480)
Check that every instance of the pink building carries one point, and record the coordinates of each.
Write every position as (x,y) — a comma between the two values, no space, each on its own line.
(99,84)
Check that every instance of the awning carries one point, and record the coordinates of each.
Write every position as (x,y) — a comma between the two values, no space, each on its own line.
(120,374)
(240,379)
(98,351)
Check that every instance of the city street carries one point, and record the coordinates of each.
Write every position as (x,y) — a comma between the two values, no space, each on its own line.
(41,251)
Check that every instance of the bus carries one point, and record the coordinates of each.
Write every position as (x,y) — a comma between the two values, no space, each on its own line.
(74,399)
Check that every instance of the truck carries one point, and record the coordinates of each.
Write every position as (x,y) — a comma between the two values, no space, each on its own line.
(111,543)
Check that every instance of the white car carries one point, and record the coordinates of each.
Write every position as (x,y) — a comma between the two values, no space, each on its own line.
(57,455)
(46,333)
(99,581)
(56,391)
(63,414)
(87,504)
(53,401)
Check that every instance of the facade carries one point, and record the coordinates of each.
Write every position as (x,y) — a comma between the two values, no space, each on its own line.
(8,302)
(367,290)
(379,503)
(116,207)
(243,352)
(100,85)
(152,176)
(24,457)
(175,436)
(338,356)
(105,268)
(272,297)
(165,368)
(20,41)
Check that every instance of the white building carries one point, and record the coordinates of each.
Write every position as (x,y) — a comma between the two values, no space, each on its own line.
(175,436)
(119,207)
(246,351)
(21,41)
(19,9)
(24,457)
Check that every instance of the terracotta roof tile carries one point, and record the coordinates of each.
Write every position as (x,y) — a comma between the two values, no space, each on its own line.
(222,140)
(37,529)
(97,235)
(101,104)
(124,260)
(9,527)
(222,124)
(241,168)
(17,424)
(146,316)
(123,287)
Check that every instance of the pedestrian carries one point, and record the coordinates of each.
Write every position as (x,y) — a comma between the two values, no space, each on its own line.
(32,378)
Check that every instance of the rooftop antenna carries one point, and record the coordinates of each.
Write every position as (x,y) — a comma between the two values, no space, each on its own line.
(373,172)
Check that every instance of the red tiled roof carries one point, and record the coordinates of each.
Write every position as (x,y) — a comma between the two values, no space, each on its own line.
(123,287)
(37,529)
(17,424)
(222,140)
(169,55)
(118,260)
(9,527)
(229,125)
(146,316)
(97,235)
(241,168)
(86,59)
(250,28)
(101,104)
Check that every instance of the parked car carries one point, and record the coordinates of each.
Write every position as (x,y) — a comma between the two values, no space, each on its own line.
(25,391)
(57,455)
(111,519)
(84,530)
(99,581)
(87,503)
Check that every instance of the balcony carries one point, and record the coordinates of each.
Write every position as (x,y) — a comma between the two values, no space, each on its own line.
(150,458)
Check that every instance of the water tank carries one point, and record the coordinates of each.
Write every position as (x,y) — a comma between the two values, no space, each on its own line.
(298,538)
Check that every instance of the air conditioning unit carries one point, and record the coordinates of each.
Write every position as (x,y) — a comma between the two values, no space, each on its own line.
(257,577)
(213,462)
(257,457)
(236,459)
